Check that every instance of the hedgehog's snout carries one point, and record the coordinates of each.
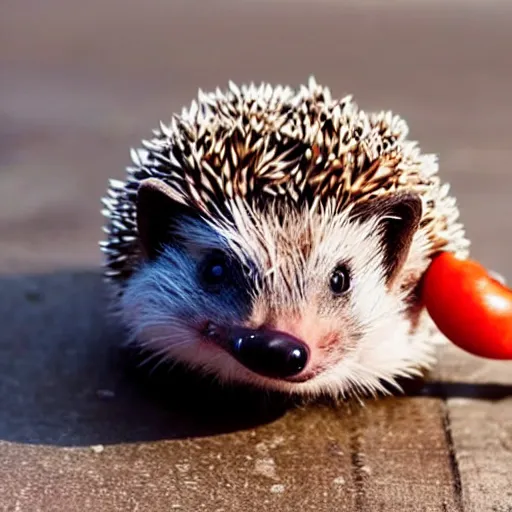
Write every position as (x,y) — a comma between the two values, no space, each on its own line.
(267,352)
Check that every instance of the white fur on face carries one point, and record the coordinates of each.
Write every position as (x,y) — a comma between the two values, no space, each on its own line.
(356,342)
(165,309)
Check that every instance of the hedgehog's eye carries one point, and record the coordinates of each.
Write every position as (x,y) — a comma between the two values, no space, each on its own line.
(214,270)
(340,280)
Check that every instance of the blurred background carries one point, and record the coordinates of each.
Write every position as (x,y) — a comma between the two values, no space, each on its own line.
(82,82)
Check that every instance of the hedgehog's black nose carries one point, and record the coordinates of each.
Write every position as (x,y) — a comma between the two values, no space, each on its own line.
(269,353)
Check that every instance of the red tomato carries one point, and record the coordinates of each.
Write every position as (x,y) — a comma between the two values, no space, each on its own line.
(471,308)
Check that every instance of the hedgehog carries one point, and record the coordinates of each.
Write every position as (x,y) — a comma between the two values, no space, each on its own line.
(277,237)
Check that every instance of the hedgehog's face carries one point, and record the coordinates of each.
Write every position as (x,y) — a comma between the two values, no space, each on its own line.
(301,302)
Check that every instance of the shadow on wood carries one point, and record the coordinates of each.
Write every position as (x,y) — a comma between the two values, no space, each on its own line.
(64,381)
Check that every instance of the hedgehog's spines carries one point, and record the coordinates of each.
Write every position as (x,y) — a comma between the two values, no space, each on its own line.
(262,141)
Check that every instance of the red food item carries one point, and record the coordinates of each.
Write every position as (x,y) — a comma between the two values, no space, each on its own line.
(470,307)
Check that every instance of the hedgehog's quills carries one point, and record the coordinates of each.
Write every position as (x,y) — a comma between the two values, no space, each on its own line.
(277,238)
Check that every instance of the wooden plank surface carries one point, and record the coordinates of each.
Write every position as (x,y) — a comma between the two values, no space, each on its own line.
(403,460)
(479,409)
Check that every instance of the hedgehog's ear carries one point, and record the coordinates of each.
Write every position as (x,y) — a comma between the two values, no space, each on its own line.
(399,217)
(158,211)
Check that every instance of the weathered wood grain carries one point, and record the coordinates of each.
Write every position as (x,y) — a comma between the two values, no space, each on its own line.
(402,458)
(479,416)
(301,462)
